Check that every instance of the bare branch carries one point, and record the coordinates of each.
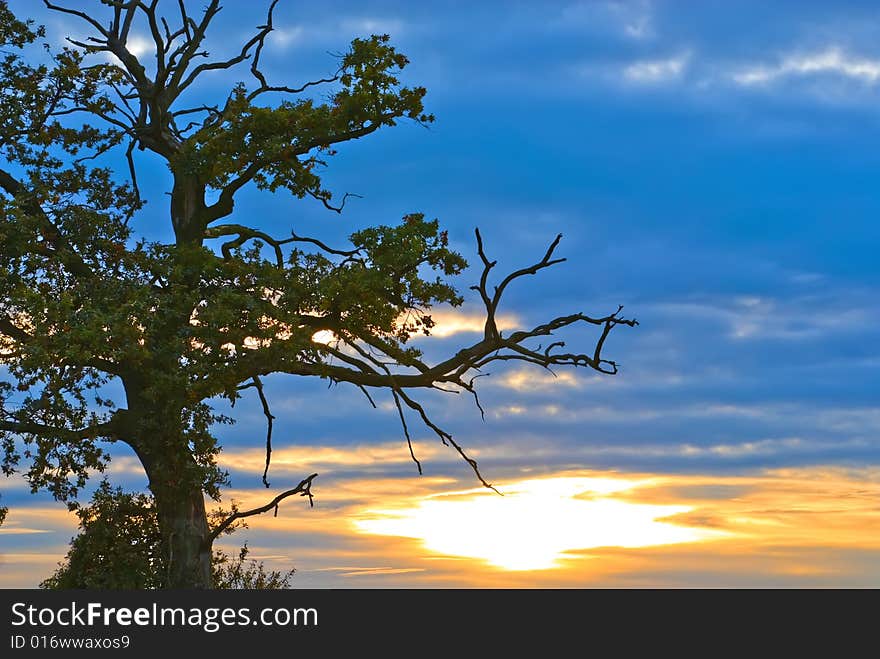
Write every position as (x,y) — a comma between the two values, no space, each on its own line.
(406,431)
(446,438)
(328,205)
(367,369)
(545,262)
(79,14)
(491,329)
(213,8)
(288,90)
(367,394)
(329,250)
(258,384)
(304,489)
(244,234)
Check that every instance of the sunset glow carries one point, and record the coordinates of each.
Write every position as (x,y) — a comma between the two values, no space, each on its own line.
(566,529)
(535,523)
(335,266)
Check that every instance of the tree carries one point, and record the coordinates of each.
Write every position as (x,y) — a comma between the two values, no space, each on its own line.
(120,547)
(87,303)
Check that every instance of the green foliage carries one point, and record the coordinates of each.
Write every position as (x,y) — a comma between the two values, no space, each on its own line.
(119,547)
(284,145)
(87,307)
(179,323)
(239,573)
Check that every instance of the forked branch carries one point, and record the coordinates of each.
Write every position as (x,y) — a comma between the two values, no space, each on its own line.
(304,489)
(376,362)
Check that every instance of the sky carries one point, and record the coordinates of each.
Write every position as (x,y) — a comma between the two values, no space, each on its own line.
(712,166)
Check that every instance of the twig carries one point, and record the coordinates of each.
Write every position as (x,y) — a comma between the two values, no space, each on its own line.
(304,489)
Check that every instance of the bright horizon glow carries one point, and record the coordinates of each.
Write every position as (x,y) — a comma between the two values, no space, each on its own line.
(537,523)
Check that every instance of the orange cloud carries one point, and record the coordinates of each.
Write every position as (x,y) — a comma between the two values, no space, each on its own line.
(793,527)
(451,322)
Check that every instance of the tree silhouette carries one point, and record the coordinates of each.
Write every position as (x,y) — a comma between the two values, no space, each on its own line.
(86,302)
(119,547)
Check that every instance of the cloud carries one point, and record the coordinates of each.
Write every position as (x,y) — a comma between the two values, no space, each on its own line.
(374,25)
(326,458)
(653,71)
(137,45)
(285,37)
(751,317)
(632,20)
(832,61)
(20,530)
(788,525)
(536,524)
(449,323)
(334,31)
(446,323)
(635,18)
(536,379)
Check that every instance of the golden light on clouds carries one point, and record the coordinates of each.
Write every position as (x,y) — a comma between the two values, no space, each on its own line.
(448,323)
(533,379)
(536,523)
(387,527)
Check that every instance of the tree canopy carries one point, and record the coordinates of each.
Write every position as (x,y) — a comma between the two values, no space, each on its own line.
(87,303)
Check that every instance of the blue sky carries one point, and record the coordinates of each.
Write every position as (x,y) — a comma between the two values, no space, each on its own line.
(712,166)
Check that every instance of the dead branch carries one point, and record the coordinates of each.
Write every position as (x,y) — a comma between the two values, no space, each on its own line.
(304,489)
(369,362)
(257,383)
(244,234)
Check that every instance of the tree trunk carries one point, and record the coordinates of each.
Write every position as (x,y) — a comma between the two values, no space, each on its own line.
(178,496)
(161,443)
(185,534)
(187,208)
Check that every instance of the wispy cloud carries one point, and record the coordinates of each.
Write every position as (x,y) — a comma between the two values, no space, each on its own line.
(449,323)
(654,71)
(831,61)
(374,25)
(632,20)
(325,458)
(810,515)
(761,318)
(284,37)
(336,32)
(636,18)
(525,380)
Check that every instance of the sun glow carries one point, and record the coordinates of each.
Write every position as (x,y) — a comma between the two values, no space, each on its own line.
(537,523)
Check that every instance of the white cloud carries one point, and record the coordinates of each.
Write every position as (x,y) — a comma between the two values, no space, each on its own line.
(335,32)
(536,379)
(651,71)
(639,28)
(633,19)
(830,61)
(286,36)
(137,45)
(367,26)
